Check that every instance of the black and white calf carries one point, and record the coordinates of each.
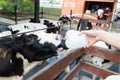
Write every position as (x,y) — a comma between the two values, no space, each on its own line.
(10,65)
(31,48)
(27,45)
(64,20)
(49,24)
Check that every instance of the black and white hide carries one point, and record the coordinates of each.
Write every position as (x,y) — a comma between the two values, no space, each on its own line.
(25,27)
(64,20)
(52,28)
(84,24)
(49,37)
(31,48)
(10,65)
(11,30)
(27,45)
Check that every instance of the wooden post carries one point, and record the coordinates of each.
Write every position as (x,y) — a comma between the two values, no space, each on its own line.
(42,13)
(70,19)
(15,13)
(70,13)
(36,12)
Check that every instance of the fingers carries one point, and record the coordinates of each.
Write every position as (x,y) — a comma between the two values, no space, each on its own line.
(90,43)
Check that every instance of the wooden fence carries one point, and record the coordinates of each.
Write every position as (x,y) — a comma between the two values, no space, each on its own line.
(53,70)
(22,16)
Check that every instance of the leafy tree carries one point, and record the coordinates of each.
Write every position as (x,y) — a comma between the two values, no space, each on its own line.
(22,5)
(2,2)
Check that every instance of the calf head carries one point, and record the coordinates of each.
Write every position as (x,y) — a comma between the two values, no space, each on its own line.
(64,19)
(33,50)
(9,64)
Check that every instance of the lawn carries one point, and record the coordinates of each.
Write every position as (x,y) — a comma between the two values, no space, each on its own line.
(48,11)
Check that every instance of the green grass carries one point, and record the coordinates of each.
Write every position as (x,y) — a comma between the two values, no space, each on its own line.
(48,11)
(52,11)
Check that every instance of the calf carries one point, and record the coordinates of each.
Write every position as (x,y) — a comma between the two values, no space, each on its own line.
(31,48)
(64,20)
(27,45)
(9,64)
(54,28)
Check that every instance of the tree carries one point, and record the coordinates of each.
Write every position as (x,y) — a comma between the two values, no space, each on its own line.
(22,5)
(2,2)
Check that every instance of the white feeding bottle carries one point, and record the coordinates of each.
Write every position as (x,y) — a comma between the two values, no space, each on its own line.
(77,41)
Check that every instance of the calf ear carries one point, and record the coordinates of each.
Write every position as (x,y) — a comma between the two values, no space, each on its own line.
(29,39)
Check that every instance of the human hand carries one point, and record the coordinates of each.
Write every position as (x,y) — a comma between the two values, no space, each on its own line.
(92,36)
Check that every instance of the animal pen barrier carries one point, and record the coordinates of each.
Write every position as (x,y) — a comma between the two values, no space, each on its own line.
(49,73)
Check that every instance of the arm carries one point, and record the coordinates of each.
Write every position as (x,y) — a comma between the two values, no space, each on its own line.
(100,35)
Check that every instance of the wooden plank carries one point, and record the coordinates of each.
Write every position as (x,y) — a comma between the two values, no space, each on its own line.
(116,23)
(104,53)
(58,67)
(90,68)
(51,72)
(93,20)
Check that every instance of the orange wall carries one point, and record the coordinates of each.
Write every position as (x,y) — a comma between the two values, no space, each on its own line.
(77,7)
